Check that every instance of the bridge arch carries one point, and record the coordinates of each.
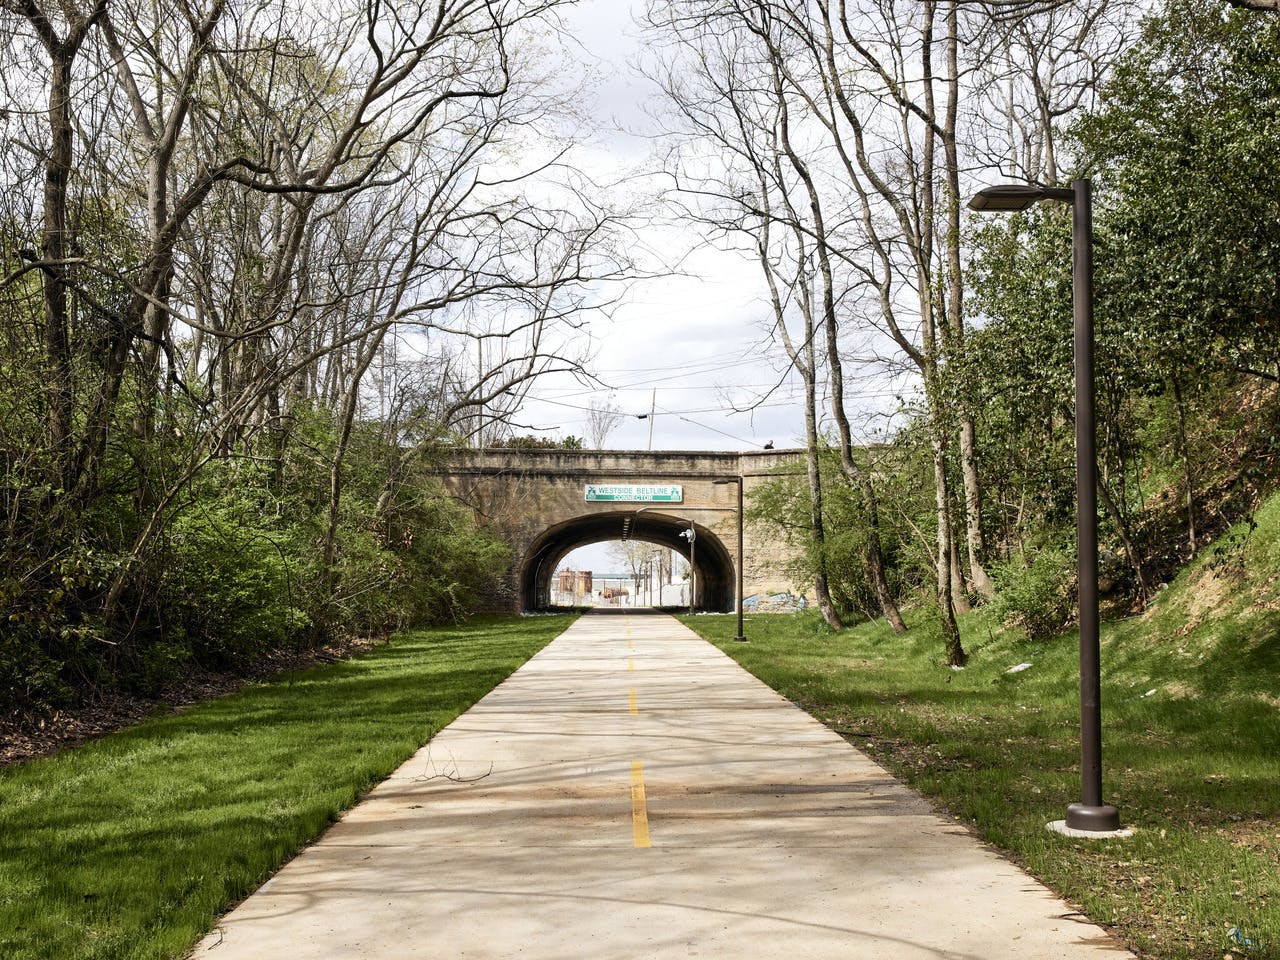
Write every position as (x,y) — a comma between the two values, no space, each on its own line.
(536,501)
(712,561)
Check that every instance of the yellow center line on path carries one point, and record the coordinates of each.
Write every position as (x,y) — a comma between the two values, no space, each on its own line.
(631,663)
(639,813)
(635,707)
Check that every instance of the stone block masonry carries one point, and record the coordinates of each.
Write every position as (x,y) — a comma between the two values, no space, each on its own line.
(536,501)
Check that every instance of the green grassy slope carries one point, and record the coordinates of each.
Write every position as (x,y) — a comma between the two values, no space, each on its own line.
(133,845)
(1191,702)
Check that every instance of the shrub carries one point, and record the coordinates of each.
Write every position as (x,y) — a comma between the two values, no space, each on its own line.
(1037,596)
(28,675)
(229,586)
(48,645)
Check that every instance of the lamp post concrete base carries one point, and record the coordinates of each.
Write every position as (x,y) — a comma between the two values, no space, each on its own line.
(1060,826)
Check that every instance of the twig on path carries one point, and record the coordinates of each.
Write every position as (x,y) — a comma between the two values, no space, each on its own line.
(451,774)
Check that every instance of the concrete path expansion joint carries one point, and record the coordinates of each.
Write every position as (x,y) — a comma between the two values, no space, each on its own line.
(632,793)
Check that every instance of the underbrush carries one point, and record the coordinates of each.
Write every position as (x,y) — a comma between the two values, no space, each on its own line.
(247,561)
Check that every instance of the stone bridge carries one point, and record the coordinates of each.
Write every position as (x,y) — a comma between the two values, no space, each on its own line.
(546,503)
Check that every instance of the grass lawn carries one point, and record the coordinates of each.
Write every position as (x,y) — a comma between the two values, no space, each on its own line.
(132,846)
(1191,743)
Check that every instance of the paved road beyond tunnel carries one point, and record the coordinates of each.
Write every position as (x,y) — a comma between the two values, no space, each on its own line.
(632,793)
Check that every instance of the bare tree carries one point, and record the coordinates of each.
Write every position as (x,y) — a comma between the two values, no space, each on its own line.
(718,106)
(447,255)
(602,419)
(270,198)
(62,31)
(869,118)
(738,98)
(644,561)
(1033,70)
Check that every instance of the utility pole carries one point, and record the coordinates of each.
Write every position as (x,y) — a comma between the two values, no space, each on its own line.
(653,405)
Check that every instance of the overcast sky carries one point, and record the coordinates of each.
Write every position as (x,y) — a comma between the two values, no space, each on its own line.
(692,345)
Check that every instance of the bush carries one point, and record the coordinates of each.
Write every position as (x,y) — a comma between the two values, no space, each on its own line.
(228,591)
(453,561)
(28,675)
(49,646)
(1037,597)
(232,568)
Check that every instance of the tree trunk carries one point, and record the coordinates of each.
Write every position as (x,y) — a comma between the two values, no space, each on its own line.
(57,344)
(875,560)
(955,338)
(1122,530)
(935,334)
(59,414)
(820,589)
(950,630)
(959,590)
(1188,479)
(978,576)
(856,476)
(365,354)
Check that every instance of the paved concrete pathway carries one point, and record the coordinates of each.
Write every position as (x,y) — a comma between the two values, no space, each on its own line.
(632,793)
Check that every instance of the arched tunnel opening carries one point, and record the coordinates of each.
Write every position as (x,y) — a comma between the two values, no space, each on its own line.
(712,564)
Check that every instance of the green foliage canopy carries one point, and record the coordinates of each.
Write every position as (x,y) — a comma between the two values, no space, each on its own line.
(1183,150)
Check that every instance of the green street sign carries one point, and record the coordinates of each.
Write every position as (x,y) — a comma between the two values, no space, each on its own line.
(633,493)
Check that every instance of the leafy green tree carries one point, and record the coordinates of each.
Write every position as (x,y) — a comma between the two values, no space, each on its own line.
(782,504)
(1183,149)
(531,442)
(1187,289)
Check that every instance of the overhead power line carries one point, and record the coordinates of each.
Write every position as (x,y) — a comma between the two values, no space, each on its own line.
(704,426)
(662,410)
(728,411)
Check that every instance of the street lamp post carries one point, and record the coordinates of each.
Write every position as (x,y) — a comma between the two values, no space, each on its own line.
(738,480)
(1090,814)
(691,535)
